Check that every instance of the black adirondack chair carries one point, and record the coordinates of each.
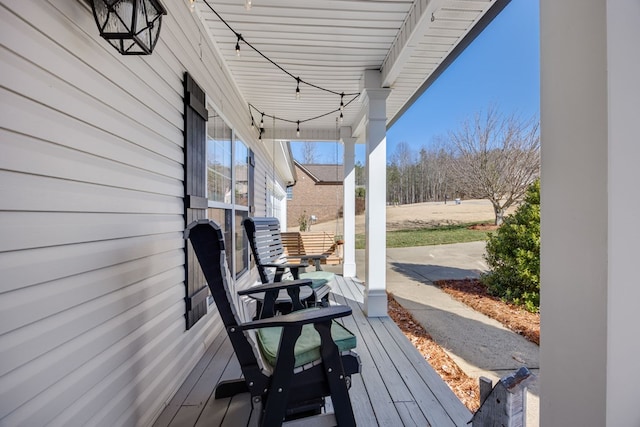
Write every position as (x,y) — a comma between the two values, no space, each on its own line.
(290,363)
(273,266)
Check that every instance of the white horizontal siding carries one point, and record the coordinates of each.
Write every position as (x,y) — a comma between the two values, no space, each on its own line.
(92,328)
(53,126)
(262,174)
(44,194)
(24,230)
(21,269)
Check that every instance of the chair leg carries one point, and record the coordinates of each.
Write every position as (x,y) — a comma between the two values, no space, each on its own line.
(334,372)
(276,402)
(325,300)
(230,388)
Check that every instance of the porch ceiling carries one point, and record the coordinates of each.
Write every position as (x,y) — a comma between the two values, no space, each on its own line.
(330,43)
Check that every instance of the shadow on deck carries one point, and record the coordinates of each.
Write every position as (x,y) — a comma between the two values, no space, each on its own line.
(397,386)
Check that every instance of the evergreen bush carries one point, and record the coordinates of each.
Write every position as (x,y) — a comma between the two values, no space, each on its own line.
(513,254)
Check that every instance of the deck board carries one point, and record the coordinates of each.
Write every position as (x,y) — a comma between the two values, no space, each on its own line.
(178,400)
(396,386)
(376,389)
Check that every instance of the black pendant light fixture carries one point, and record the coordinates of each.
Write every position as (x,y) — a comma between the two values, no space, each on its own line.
(131,26)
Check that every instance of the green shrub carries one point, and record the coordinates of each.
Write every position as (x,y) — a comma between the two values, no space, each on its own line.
(513,255)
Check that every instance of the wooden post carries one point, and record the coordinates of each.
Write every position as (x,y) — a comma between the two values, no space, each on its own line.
(506,404)
(486,385)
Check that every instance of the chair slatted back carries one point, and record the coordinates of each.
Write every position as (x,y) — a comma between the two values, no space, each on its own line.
(266,243)
(207,240)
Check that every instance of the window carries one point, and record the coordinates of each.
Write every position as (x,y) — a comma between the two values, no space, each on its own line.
(275,200)
(289,193)
(228,189)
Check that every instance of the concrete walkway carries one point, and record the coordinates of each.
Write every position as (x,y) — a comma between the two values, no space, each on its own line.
(479,345)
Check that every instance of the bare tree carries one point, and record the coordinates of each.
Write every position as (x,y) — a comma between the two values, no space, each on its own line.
(309,153)
(496,157)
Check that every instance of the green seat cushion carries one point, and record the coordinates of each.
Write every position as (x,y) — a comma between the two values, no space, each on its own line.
(307,348)
(318,278)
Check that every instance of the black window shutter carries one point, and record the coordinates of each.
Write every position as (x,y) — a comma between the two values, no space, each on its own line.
(195,194)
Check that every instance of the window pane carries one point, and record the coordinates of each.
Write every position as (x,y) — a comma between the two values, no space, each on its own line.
(223,218)
(242,244)
(218,160)
(242,174)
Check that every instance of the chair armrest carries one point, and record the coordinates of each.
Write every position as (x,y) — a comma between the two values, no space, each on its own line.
(287,265)
(275,286)
(268,294)
(299,318)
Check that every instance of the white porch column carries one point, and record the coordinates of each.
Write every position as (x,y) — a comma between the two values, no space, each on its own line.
(589,349)
(349,204)
(375,109)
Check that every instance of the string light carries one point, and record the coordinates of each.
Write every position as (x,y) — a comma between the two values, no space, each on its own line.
(354,96)
(238,44)
(192,7)
(341,117)
(298,130)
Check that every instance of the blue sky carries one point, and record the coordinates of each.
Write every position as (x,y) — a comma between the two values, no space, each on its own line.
(501,68)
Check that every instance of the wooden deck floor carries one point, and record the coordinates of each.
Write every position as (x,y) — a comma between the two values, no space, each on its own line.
(397,387)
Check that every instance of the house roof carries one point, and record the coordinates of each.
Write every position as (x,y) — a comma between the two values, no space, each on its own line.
(323,173)
(330,44)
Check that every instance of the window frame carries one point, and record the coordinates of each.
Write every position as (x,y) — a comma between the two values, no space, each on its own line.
(232,208)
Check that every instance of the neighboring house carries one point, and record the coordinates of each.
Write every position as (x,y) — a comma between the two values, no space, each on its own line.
(317,193)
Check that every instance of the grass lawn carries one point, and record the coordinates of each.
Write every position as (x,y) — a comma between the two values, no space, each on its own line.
(429,236)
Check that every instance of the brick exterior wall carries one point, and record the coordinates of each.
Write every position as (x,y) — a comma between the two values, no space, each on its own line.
(319,199)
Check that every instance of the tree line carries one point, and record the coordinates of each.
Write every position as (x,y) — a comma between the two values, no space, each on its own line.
(491,156)
(417,176)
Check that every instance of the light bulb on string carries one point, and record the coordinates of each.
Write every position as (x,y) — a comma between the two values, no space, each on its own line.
(192,6)
(341,117)
(298,130)
(260,135)
(248,4)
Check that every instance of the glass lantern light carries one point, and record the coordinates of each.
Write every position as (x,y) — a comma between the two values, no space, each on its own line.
(131,26)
